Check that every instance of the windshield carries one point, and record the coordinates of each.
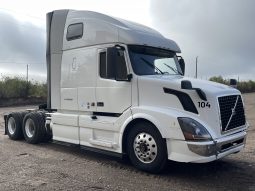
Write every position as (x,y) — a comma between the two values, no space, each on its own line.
(153,61)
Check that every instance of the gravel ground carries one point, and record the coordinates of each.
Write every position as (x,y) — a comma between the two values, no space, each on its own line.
(49,166)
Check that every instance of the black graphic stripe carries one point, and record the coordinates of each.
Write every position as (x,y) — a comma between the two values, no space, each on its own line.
(186,101)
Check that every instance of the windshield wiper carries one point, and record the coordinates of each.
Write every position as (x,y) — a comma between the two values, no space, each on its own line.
(174,70)
(151,65)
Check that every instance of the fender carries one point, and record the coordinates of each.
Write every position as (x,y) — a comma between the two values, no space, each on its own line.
(163,118)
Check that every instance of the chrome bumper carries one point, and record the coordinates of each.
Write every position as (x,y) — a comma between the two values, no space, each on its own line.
(219,146)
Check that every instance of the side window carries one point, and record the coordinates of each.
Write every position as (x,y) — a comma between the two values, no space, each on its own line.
(108,70)
(74,31)
(102,66)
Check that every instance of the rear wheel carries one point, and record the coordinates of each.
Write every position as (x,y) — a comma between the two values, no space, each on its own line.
(33,127)
(14,126)
(146,148)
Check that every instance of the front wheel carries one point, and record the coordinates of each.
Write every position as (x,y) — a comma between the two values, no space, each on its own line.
(146,148)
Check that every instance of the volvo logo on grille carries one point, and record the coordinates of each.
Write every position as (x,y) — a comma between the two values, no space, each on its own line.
(233,113)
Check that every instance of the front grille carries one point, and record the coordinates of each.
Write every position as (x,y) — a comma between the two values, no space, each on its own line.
(231,112)
(232,144)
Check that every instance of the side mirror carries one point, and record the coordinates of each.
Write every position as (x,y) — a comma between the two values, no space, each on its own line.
(186,84)
(182,65)
(116,62)
(233,83)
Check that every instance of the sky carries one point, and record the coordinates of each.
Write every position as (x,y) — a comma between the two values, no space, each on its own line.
(221,33)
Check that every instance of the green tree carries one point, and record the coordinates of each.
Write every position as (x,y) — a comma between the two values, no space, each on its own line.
(16,87)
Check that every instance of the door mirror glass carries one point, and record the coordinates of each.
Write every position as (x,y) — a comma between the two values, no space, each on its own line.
(116,59)
(233,83)
(121,67)
(182,65)
(111,62)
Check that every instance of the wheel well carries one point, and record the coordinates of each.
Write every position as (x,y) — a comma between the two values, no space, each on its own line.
(128,128)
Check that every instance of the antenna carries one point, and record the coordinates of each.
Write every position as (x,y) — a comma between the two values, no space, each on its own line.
(196,66)
(27,83)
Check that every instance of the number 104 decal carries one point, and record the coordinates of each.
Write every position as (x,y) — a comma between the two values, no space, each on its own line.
(204,104)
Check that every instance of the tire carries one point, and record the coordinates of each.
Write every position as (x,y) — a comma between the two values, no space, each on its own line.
(146,148)
(23,114)
(33,127)
(14,126)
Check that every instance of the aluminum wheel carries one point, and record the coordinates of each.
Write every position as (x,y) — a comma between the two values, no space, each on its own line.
(145,148)
(30,128)
(11,125)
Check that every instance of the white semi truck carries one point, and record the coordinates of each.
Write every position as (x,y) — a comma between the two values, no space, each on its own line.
(119,87)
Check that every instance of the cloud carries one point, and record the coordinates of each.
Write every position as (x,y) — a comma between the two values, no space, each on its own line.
(21,43)
(220,32)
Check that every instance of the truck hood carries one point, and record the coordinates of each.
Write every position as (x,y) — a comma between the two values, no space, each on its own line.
(152,93)
(174,82)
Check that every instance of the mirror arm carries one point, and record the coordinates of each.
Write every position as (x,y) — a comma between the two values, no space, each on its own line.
(129,77)
(119,47)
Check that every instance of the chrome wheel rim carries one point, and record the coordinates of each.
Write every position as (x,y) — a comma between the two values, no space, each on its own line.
(30,128)
(145,148)
(11,125)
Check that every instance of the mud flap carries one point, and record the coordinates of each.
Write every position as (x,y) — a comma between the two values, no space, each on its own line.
(5,124)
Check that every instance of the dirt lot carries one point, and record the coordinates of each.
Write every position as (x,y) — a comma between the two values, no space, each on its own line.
(53,167)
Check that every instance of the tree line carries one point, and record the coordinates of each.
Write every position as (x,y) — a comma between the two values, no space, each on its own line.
(16,87)
(243,86)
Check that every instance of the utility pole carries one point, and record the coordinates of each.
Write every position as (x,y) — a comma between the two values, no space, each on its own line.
(27,83)
(27,73)
(196,65)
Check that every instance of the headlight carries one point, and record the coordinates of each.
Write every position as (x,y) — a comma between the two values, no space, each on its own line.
(193,131)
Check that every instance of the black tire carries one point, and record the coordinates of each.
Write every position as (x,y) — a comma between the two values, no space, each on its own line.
(14,126)
(23,114)
(149,152)
(33,127)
